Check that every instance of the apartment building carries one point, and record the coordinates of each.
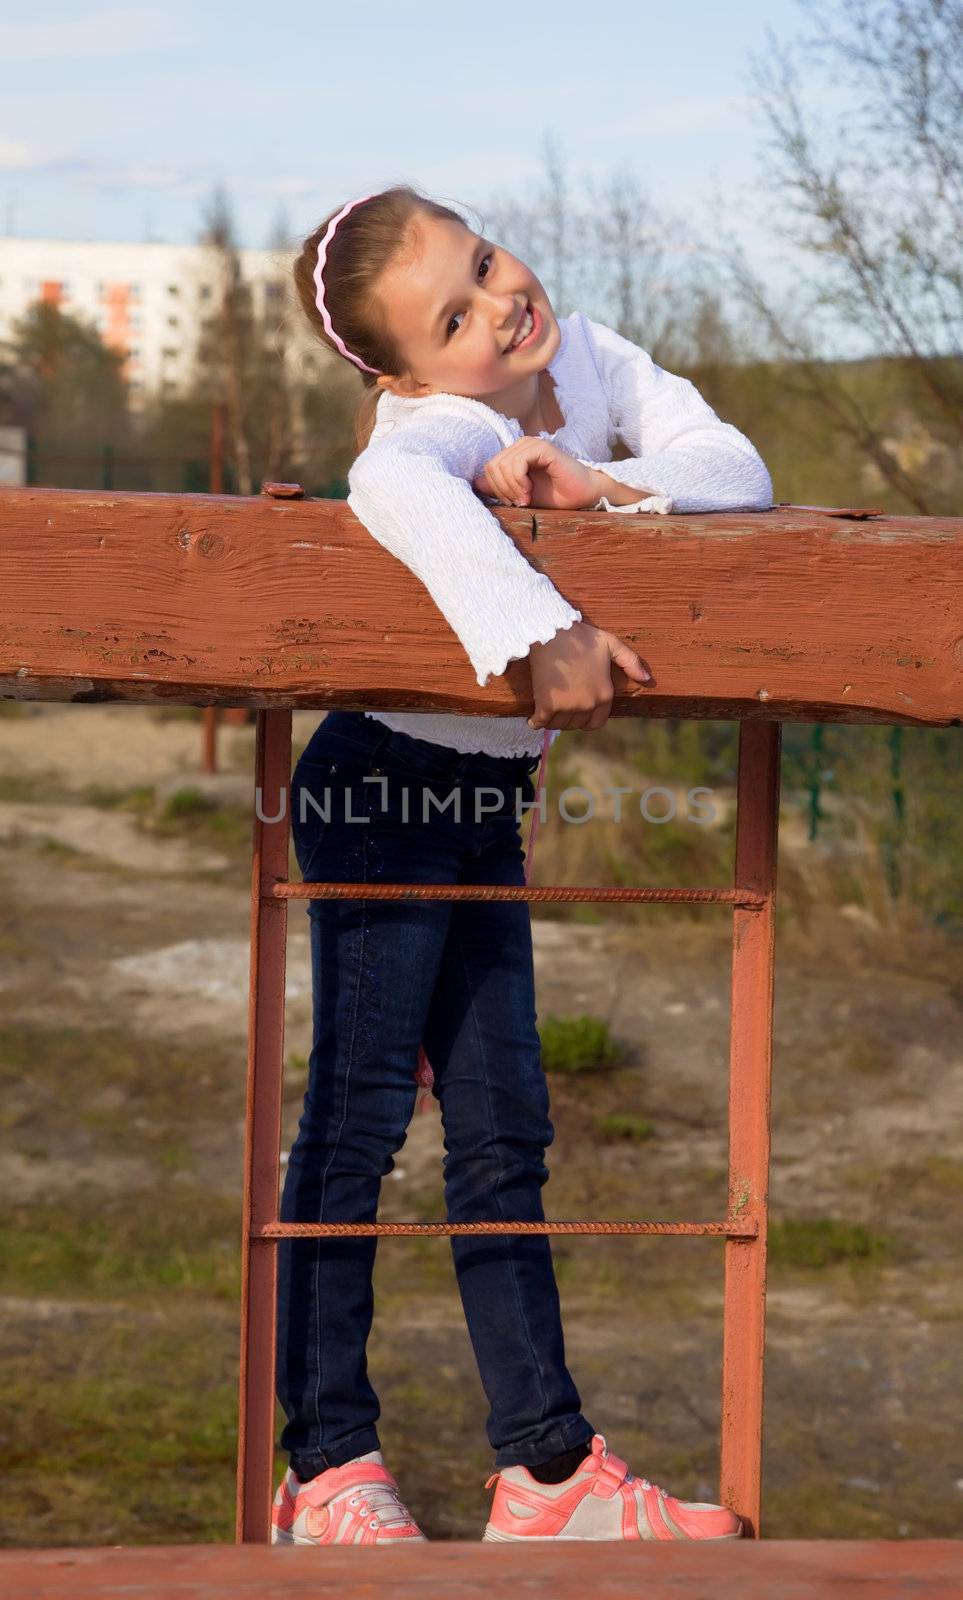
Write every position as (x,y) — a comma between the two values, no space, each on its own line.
(146,300)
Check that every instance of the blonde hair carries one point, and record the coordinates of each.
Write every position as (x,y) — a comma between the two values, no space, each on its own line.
(364,244)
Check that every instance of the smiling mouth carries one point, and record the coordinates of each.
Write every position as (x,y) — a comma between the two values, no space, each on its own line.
(525,328)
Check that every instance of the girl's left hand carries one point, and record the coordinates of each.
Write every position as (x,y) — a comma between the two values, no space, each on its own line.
(534,472)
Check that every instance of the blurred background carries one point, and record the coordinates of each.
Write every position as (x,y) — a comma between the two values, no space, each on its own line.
(769,203)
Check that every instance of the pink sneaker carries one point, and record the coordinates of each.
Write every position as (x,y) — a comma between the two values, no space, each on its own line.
(358,1503)
(601,1500)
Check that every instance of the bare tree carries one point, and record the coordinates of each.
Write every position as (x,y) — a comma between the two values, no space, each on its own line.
(631,238)
(281,441)
(557,215)
(869,186)
(228,333)
(616,254)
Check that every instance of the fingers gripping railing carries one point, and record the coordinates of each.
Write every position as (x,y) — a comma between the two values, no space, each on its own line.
(743,1229)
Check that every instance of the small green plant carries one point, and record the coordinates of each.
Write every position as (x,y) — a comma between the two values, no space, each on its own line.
(295,1076)
(177,713)
(869,1057)
(624,1125)
(107,798)
(187,802)
(576,1045)
(587,915)
(176,1156)
(67,853)
(816,1242)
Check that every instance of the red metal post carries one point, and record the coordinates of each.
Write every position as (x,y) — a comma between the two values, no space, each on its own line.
(217,450)
(209,738)
(210,715)
(262,1144)
(750,1078)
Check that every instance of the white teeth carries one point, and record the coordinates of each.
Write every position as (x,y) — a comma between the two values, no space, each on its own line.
(524,331)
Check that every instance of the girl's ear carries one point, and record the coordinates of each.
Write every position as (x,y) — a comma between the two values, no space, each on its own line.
(407,387)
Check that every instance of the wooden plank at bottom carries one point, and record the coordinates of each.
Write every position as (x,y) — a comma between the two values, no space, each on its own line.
(820,1569)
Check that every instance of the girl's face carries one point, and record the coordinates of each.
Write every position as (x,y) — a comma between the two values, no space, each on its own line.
(456,303)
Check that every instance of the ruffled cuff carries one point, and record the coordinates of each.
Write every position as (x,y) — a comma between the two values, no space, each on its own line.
(555,615)
(662,503)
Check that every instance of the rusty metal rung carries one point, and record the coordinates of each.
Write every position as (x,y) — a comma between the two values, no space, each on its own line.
(732,1228)
(746,899)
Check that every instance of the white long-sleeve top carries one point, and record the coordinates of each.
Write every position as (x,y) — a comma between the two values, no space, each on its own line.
(411,486)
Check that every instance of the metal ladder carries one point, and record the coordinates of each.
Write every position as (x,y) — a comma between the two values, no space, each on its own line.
(743,1230)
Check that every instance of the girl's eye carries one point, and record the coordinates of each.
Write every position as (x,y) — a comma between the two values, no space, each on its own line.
(458,313)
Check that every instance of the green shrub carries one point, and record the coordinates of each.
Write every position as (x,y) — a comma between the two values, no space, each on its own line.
(187,802)
(578,1044)
(624,1125)
(821,1241)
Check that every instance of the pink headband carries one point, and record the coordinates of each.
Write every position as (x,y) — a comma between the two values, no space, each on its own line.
(319,282)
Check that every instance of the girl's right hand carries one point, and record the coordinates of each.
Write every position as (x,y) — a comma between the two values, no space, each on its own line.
(572,683)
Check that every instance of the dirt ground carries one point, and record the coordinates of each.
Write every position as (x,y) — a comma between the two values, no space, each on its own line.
(123,993)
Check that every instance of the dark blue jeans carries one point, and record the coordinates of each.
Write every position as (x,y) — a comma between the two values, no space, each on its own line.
(387,977)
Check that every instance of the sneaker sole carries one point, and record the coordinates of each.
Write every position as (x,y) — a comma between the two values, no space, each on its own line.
(288,1538)
(492,1536)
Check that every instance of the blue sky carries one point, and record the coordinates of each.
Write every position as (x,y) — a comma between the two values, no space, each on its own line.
(115,121)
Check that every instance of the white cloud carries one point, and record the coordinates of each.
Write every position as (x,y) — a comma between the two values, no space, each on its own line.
(16,155)
(686,114)
(123,30)
(144,178)
(290,185)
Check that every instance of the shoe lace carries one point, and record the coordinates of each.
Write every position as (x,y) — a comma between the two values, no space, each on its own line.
(630,1477)
(382,1503)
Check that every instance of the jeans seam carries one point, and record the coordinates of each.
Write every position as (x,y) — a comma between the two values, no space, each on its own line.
(498,1204)
(337,1140)
(368,1431)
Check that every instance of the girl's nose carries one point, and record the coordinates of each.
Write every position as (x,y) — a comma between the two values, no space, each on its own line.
(506,309)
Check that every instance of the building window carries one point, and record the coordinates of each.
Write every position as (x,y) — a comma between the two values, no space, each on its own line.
(170,354)
(173,322)
(173,288)
(133,290)
(204,292)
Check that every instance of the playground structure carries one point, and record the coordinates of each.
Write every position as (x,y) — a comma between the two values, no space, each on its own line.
(279,603)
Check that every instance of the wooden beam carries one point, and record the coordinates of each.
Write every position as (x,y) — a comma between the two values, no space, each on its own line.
(214,599)
(816,1569)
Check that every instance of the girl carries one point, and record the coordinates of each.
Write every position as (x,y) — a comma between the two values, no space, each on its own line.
(473,387)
